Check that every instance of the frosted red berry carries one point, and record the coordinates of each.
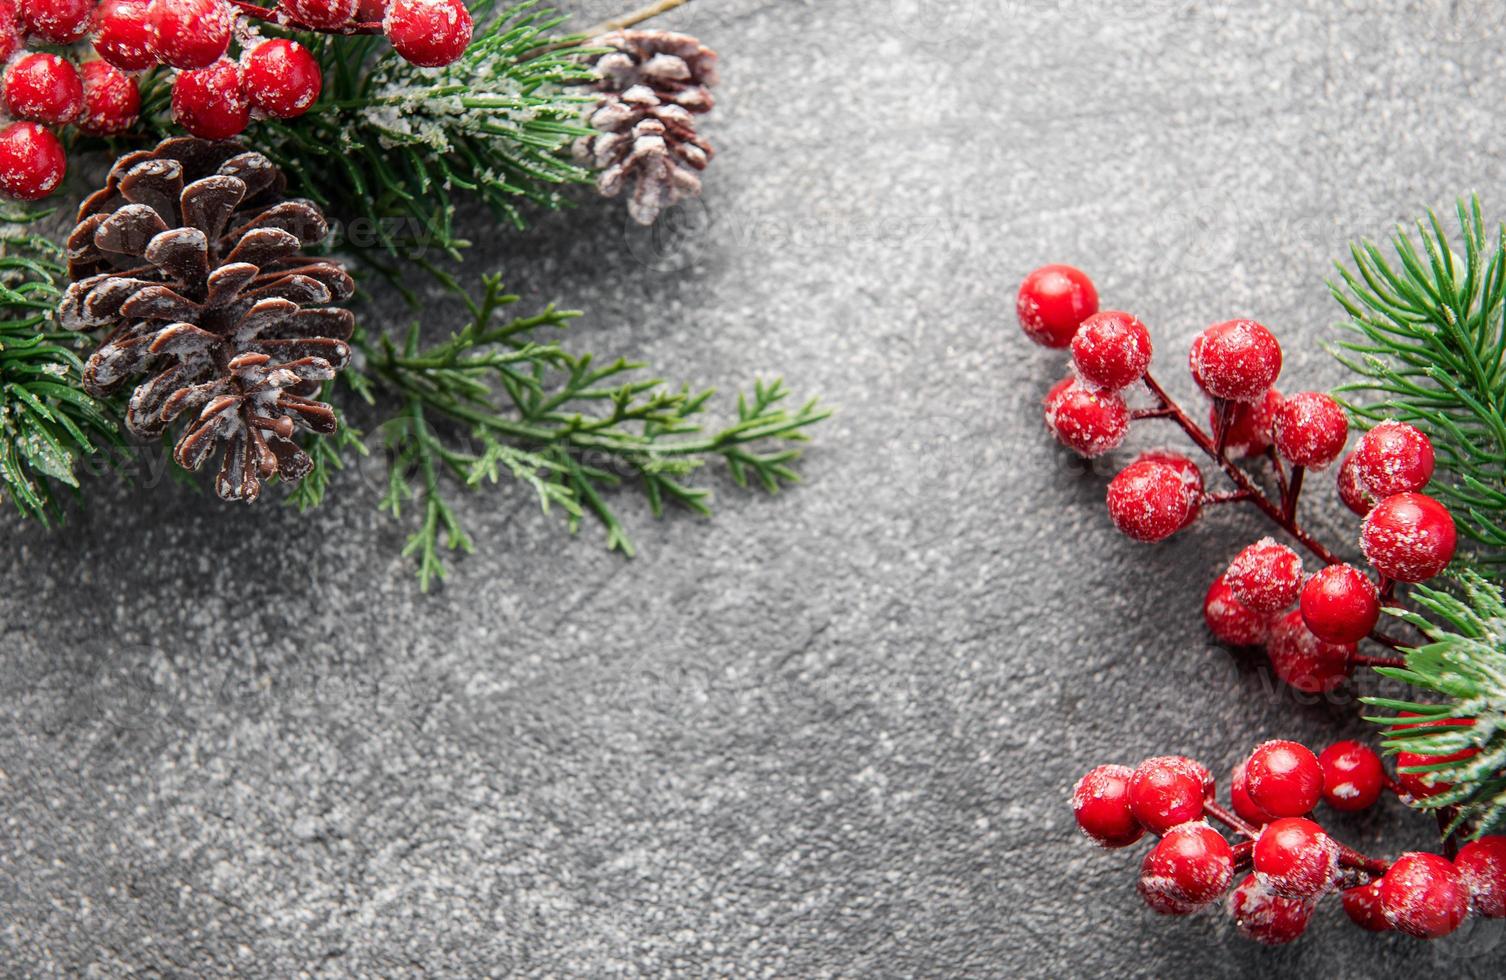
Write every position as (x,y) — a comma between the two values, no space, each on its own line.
(1351,491)
(189,33)
(1230,620)
(32,161)
(1251,424)
(1239,794)
(1100,804)
(44,88)
(1295,858)
(1353,776)
(1262,915)
(1237,359)
(1363,906)
(1482,867)
(1111,350)
(10,31)
(1302,660)
(1394,457)
(58,21)
(282,78)
(1409,537)
(1340,604)
(1190,867)
(1165,791)
(322,13)
(122,35)
(1423,895)
(1088,420)
(1311,429)
(430,33)
(1266,576)
(210,102)
(112,102)
(1284,778)
(1155,496)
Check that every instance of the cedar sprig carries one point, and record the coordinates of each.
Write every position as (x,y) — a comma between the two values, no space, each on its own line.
(1429,347)
(495,400)
(1464,663)
(47,423)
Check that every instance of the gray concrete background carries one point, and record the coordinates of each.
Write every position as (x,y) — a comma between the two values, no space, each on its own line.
(828,733)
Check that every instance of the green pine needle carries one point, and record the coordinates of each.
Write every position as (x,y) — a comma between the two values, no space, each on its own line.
(47,423)
(1429,348)
(1464,662)
(495,400)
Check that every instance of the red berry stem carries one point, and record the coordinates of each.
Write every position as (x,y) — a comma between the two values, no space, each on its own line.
(1385,639)
(1230,819)
(1150,413)
(1350,858)
(1228,497)
(1291,491)
(1221,432)
(1361,660)
(1237,475)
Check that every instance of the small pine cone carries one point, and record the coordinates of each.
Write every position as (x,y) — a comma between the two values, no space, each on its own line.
(652,87)
(191,259)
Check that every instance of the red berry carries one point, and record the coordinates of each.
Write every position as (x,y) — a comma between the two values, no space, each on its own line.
(123,36)
(1423,896)
(1230,620)
(1409,537)
(1247,808)
(1190,867)
(1422,785)
(1284,778)
(1340,604)
(189,33)
(1053,302)
(430,33)
(1238,360)
(322,13)
(1251,424)
(1294,858)
(1482,867)
(1262,915)
(1392,458)
(368,11)
(10,31)
(1353,776)
(1100,802)
(1088,420)
(1155,496)
(43,87)
(1363,907)
(58,21)
(282,78)
(1351,490)
(1111,350)
(1311,429)
(210,102)
(1165,791)
(111,100)
(1266,576)
(32,161)
(1302,660)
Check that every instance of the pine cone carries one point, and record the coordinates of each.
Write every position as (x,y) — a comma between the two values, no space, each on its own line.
(191,258)
(653,85)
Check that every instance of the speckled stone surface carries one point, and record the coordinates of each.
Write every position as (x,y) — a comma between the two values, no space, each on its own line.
(829,733)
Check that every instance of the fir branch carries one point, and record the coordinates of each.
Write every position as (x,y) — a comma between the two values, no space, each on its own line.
(47,422)
(1430,349)
(1464,661)
(493,400)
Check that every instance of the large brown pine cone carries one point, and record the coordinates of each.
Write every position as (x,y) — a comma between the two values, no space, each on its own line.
(191,258)
(652,87)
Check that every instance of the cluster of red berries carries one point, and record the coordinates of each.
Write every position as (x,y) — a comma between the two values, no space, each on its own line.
(213,95)
(1406,535)
(1289,862)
